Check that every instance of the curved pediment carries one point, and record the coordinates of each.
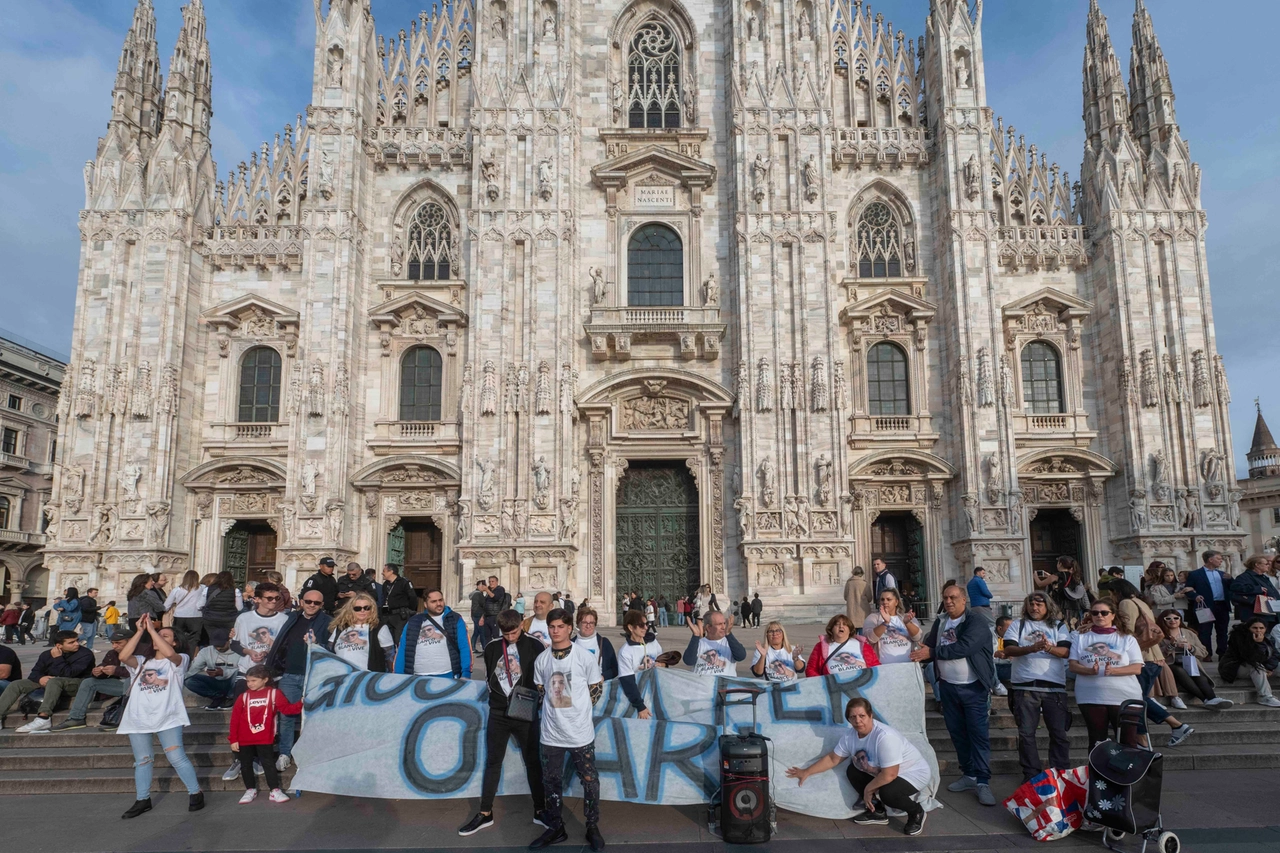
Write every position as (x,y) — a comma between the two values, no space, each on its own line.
(236,471)
(398,312)
(1060,462)
(628,383)
(903,464)
(407,471)
(248,311)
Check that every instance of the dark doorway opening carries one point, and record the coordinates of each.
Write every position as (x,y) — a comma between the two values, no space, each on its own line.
(1054,533)
(898,539)
(416,544)
(249,551)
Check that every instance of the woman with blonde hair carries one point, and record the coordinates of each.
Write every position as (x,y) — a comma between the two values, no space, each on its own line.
(186,604)
(776,659)
(351,630)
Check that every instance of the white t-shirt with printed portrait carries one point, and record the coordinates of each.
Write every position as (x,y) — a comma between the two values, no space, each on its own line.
(352,645)
(539,631)
(957,670)
(894,645)
(845,657)
(779,664)
(155,696)
(566,700)
(633,659)
(256,633)
(1107,650)
(1040,666)
(715,658)
(508,670)
(884,747)
(432,654)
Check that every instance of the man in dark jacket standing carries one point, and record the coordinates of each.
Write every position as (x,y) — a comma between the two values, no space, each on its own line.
(757,606)
(509,662)
(434,642)
(324,582)
(1213,591)
(1245,590)
(960,645)
(399,602)
(26,624)
(88,618)
(495,601)
(287,659)
(477,599)
(353,582)
(58,669)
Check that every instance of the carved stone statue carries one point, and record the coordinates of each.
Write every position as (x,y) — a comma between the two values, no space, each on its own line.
(542,392)
(753,26)
(1159,476)
(822,476)
(810,175)
(764,387)
(489,389)
(768,482)
(486,497)
(103,531)
(549,28)
(597,285)
(569,518)
(687,101)
(995,485)
(711,291)
(333,66)
(803,25)
(971,512)
(972,178)
(964,76)
(1211,466)
(288,523)
(157,522)
(546,174)
(618,99)
(333,520)
(759,177)
(129,476)
(315,390)
(310,473)
(541,483)
(1137,510)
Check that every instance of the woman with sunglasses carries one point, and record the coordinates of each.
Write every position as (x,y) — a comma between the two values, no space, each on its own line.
(1156,678)
(637,654)
(1183,652)
(353,628)
(893,630)
(1106,660)
(776,659)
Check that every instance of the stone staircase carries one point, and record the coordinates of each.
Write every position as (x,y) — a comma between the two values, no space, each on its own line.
(1245,736)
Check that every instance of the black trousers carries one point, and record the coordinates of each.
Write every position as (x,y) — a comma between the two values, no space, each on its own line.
(1101,720)
(498,733)
(188,629)
(584,763)
(896,795)
(1029,706)
(1198,686)
(1221,621)
(266,755)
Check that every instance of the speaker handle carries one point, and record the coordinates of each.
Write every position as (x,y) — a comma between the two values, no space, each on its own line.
(753,693)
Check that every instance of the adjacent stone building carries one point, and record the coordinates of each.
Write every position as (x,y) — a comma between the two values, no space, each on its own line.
(642,295)
(1260,494)
(30,377)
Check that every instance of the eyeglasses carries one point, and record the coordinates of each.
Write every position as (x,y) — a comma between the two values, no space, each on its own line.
(1173,618)
(773,631)
(269,597)
(313,602)
(362,609)
(1099,612)
(1038,599)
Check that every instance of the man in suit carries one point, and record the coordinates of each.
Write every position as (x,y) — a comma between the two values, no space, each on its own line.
(1212,586)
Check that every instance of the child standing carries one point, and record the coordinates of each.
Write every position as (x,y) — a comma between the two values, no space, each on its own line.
(253,732)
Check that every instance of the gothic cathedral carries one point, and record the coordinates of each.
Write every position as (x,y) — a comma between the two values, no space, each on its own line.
(641,295)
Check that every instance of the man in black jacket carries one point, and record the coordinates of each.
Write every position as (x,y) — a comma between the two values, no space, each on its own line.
(495,601)
(57,670)
(477,599)
(509,662)
(353,582)
(399,602)
(325,583)
(26,624)
(1245,590)
(88,618)
(306,626)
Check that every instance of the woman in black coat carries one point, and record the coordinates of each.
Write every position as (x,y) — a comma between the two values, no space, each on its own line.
(1251,653)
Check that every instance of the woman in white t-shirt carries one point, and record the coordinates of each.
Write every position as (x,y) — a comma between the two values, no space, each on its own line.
(893,631)
(840,650)
(776,659)
(1106,660)
(155,707)
(634,657)
(187,604)
(351,629)
(884,768)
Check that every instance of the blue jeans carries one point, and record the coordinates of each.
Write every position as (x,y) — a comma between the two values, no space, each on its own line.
(171,742)
(89,688)
(964,709)
(210,687)
(4,682)
(291,686)
(1147,679)
(662,617)
(88,630)
(679,617)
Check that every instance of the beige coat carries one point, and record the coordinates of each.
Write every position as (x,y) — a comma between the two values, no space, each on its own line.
(1165,684)
(857,600)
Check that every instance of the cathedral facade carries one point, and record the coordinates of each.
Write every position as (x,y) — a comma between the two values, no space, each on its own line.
(642,295)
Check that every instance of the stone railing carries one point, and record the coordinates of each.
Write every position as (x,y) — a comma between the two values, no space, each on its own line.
(1048,422)
(21,537)
(896,424)
(14,460)
(873,146)
(417,146)
(416,429)
(693,330)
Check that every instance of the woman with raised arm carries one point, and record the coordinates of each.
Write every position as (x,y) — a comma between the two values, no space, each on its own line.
(776,659)
(892,629)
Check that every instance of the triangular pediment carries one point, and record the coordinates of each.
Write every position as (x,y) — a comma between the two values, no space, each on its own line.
(652,158)
(233,314)
(1064,305)
(891,302)
(418,305)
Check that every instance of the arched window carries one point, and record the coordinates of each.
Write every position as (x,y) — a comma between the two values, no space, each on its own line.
(420,381)
(4,513)
(887,388)
(1041,379)
(430,244)
(260,386)
(879,243)
(655,267)
(653,74)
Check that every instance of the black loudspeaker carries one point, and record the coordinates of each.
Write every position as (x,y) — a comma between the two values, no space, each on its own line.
(745,807)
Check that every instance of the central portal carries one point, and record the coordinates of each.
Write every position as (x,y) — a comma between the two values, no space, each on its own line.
(657,531)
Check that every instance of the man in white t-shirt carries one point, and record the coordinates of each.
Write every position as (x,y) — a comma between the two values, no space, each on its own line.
(885,768)
(536,625)
(570,681)
(712,649)
(1038,645)
(255,631)
(434,642)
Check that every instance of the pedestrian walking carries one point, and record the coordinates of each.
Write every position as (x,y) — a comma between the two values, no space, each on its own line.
(979,593)
(110,619)
(857,597)
(757,607)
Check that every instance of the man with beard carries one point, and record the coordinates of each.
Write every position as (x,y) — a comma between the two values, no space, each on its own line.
(434,642)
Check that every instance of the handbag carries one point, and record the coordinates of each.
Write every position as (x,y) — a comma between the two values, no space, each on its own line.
(114,713)
(522,704)
(1203,615)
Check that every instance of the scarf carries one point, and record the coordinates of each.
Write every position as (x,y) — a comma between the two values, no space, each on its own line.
(1098,630)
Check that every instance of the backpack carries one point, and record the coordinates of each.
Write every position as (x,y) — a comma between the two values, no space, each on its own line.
(1146,633)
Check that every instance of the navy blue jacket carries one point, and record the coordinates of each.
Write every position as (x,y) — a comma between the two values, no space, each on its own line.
(455,635)
(973,643)
(1199,581)
(1244,590)
(278,656)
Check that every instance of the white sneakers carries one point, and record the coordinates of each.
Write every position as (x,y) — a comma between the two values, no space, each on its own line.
(232,773)
(999,690)
(278,796)
(283,763)
(1176,702)
(1218,703)
(1269,701)
(39,724)
(249,796)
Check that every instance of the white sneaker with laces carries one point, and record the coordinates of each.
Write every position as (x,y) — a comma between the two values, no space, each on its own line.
(1218,703)
(233,772)
(1269,701)
(1000,690)
(283,763)
(248,796)
(278,796)
(1176,702)
(39,724)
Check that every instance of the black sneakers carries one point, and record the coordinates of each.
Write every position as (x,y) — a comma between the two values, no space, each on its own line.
(594,838)
(195,802)
(870,818)
(915,823)
(477,823)
(551,836)
(138,807)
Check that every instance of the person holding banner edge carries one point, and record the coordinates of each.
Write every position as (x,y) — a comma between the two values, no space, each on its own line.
(570,682)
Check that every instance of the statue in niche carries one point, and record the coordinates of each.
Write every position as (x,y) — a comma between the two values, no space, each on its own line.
(753,26)
(686,100)
(972,177)
(597,285)
(129,477)
(964,76)
(549,28)
(618,99)
(768,482)
(710,291)
(803,25)
(822,474)
(333,68)
(759,177)
(541,482)
(810,175)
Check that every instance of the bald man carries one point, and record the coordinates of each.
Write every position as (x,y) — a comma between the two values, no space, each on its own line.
(537,623)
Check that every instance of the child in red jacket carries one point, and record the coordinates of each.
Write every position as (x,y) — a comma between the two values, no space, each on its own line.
(253,732)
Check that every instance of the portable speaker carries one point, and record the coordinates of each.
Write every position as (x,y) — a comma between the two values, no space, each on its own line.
(744,784)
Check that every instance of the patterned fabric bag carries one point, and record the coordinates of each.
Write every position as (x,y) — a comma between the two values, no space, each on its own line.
(1051,805)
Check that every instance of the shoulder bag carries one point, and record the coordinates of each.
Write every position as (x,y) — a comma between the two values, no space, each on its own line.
(522,704)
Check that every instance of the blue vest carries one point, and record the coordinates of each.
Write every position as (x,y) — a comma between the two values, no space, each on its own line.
(449,621)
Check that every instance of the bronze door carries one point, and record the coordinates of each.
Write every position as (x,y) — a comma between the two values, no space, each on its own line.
(422,557)
(657,531)
(898,539)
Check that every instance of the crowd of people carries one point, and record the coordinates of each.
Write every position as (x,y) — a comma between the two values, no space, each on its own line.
(545,660)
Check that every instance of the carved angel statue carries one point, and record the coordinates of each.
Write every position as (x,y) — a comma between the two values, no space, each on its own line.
(597,285)
(810,175)
(768,481)
(972,177)
(711,291)
(1211,464)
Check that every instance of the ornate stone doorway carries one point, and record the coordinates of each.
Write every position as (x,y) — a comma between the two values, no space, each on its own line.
(416,544)
(1054,533)
(898,539)
(249,551)
(657,531)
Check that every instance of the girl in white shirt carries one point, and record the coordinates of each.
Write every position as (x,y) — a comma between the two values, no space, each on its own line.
(776,659)
(156,707)
(1106,660)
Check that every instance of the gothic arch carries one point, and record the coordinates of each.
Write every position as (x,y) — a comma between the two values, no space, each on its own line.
(883,192)
(673,17)
(671,12)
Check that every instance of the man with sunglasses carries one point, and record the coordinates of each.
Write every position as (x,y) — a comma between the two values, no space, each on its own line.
(287,660)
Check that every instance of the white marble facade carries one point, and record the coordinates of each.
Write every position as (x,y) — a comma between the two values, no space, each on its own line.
(472,184)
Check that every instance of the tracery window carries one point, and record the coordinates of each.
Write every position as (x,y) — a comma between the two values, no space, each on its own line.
(260,387)
(879,243)
(887,387)
(1041,379)
(653,72)
(430,244)
(655,267)
(420,385)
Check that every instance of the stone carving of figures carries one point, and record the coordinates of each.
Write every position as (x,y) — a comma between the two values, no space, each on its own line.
(1220,379)
(1193,511)
(618,99)
(129,476)
(743,506)
(73,486)
(986,379)
(735,482)
(522,388)
(341,391)
(157,522)
(753,25)
(1159,481)
(742,387)
(568,518)
(1007,388)
(489,389)
(994,483)
(549,28)
(790,510)
(597,285)
(839,387)
(971,512)
(288,523)
(541,483)
(310,473)
(822,475)
(803,24)
(333,520)
(51,515)
(545,176)
(818,384)
(542,396)
(315,390)
(1015,511)
(522,518)
(464,521)
(575,480)
(1147,365)
(1211,464)
(333,67)
(686,100)
(786,397)
(1137,510)
(486,482)
(909,255)
(464,393)
(802,516)
(140,405)
(568,389)
(963,75)
(768,482)
(85,389)
(1180,501)
(1200,379)
(810,175)
(764,387)
(710,291)
(759,177)
(1233,504)
(103,531)
(972,178)
(397,257)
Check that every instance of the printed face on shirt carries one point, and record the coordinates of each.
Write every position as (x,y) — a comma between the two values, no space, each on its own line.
(260,639)
(508,668)
(350,640)
(863,762)
(1033,637)
(779,671)
(429,634)
(151,682)
(895,638)
(712,660)
(558,690)
(1099,653)
(845,662)
(540,634)
(948,637)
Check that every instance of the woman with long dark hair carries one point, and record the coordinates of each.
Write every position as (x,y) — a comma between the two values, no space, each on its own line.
(143,600)
(1183,652)
(68,611)
(222,603)
(1069,592)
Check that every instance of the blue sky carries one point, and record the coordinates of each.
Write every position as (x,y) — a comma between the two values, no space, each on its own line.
(58,60)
